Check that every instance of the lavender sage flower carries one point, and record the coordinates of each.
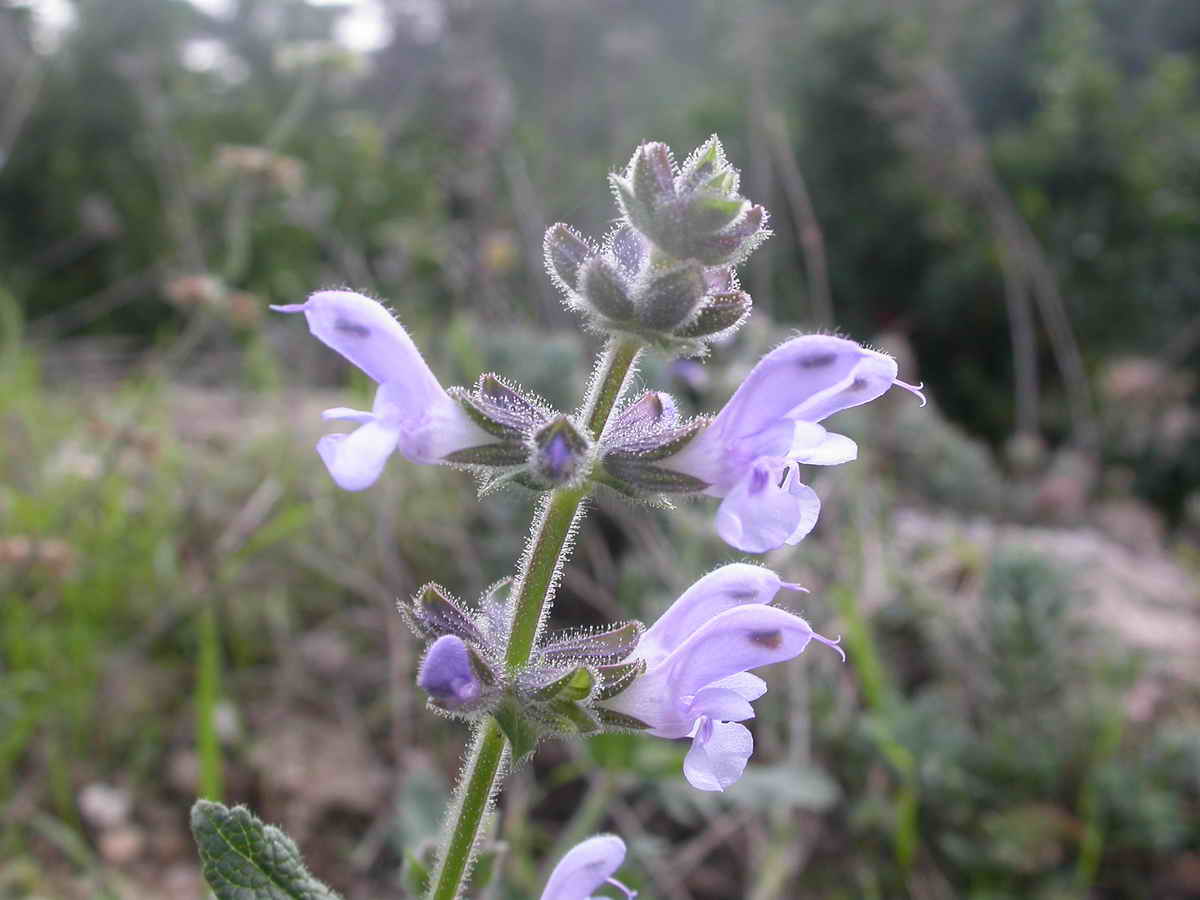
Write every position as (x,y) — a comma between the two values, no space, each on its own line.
(587,866)
(411,412)
(698,655)
(749,455)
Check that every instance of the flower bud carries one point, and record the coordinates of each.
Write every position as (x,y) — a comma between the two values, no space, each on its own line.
(560,453)
(667,298)
(449,676)
(603,289)
(652,174)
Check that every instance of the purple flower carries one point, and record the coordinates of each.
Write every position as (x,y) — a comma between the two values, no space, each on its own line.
(698,655)
(411,413)
(586,867)
(447,676)
(751,452)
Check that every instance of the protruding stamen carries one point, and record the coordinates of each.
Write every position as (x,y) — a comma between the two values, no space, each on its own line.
(792,586)
(912,389)
(290,307)
(628,893)
(831,643)
(345,414)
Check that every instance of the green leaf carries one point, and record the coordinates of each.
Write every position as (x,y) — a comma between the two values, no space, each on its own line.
(575,685)
(521,733)
(652,478)
(243,859)
(503,453)
(415,874)
(567,717)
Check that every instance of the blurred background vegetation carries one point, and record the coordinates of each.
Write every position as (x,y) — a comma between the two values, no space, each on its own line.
(1004,193)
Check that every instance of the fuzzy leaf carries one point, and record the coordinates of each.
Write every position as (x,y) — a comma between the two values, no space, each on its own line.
(636,213)
(615,643)
(648,477)
(243,859)
(565,252)
(706,162)
(612,719)
(617,677)
(437,612)
(567,717)
(482,415)
(522,734)
(710,211)
(575,685)
(656,445)
(652,408)
(721,312)
(496,456)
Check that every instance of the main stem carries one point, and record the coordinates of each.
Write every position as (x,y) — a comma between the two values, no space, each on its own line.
(537,578)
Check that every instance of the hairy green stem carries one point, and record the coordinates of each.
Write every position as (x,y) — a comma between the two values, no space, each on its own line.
(537,577)
(471,802)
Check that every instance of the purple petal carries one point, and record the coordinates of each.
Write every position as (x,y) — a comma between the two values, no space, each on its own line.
(365,333)
(431,430)
(828,449)
(736,641)
(768,508)
(446,674)
(751,687)
(720,460)
(356,460)
(718,756)
(723,589)
(733,642)
(723,704)
(585,867)
(809,378)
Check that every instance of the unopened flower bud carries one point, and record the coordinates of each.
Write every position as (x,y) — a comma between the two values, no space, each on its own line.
(560,452)
(448,676)
(603,288)
(667,298)
(652,173)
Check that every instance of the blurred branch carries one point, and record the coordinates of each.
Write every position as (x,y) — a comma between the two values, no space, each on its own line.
(88,309)
(246,187)
(20,104)
(808,230)
(531,219)
(936,104)
(170,161)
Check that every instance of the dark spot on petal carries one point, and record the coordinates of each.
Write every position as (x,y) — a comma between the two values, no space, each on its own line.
(858,384)
(758,481)
(354,329)
(741,596)
(817,361)
(772,640)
